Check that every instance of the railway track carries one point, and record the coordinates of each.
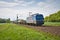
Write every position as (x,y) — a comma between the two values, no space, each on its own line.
(48,29)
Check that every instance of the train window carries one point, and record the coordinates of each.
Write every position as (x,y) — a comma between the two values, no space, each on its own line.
(39,16)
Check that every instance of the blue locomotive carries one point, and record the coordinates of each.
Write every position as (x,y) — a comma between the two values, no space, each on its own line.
(35,19)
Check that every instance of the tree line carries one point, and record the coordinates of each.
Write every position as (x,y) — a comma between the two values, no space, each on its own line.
(4,20)
(55,17)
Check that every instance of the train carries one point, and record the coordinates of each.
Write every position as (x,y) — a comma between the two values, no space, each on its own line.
(35,19)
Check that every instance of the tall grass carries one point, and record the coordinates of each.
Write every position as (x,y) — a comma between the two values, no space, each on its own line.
(52,23)
(19,32)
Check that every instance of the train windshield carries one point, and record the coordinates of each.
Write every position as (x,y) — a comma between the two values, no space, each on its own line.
(39,17)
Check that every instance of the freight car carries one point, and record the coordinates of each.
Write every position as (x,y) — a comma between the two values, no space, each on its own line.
(21,21)
(35,19)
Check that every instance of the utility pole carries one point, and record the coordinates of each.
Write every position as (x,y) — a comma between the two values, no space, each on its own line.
(17,18)
(30,13)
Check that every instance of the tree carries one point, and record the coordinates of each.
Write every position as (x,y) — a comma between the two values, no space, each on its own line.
(4,20)
(55,17)
(8,20)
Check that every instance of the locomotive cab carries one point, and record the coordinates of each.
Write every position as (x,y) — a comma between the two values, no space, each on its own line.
(39,19)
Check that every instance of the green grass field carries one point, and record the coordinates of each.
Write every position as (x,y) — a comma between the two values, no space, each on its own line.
(19,32)
(52,23)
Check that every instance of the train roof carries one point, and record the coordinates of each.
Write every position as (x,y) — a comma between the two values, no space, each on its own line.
(36,14)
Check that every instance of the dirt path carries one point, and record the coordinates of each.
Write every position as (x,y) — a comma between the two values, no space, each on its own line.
(53,30)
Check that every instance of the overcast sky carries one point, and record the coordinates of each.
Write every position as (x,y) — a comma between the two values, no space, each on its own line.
(9,8)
